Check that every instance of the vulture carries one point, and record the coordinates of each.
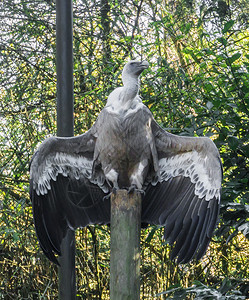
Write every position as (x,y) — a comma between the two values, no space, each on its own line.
(71,178)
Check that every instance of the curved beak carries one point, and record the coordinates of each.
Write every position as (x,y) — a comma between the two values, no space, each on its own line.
(144,64)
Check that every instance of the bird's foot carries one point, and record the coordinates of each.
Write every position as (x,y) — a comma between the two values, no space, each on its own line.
(114,191)
(106,197)
(133,188)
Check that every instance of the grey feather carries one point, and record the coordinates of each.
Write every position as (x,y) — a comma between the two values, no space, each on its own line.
(126,148)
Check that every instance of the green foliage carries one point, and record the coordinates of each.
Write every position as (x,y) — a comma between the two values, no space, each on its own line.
(198,84)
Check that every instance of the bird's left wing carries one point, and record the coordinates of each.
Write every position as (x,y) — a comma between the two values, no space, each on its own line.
(62,191)
(185,198)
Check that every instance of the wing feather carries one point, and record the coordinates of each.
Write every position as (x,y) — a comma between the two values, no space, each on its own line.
(62,191)
(186,197)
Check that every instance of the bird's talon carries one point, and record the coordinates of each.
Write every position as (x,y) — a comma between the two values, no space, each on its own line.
(131,189)
(107,196)
(114,191)
(142,192)
(134,188)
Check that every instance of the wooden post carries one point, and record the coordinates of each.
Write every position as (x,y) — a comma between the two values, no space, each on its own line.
(65,124)
(125,246)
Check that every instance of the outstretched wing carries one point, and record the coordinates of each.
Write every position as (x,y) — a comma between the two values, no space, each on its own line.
(62,191)
(186,196)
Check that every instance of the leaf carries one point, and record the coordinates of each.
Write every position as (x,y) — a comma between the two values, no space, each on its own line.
(225,286)
(186,28)
(233,142)
(233,58)
(223,41)
(228,25)
(151,234)
(187,50)
(209,87)
(203,65)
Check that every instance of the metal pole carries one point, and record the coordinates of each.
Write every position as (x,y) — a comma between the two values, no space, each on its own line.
(125,246)
(64,67)
(65,124)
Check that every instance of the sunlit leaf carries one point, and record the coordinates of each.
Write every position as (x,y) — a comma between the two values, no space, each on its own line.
(228,26)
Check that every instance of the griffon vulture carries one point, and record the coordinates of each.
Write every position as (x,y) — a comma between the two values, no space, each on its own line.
(179,177)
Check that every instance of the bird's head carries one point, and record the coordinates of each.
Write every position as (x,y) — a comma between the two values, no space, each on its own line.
(133,69)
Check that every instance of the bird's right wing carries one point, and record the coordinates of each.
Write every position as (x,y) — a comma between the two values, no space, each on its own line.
(62,191)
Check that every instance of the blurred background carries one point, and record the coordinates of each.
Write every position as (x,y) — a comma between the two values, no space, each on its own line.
(197,85)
